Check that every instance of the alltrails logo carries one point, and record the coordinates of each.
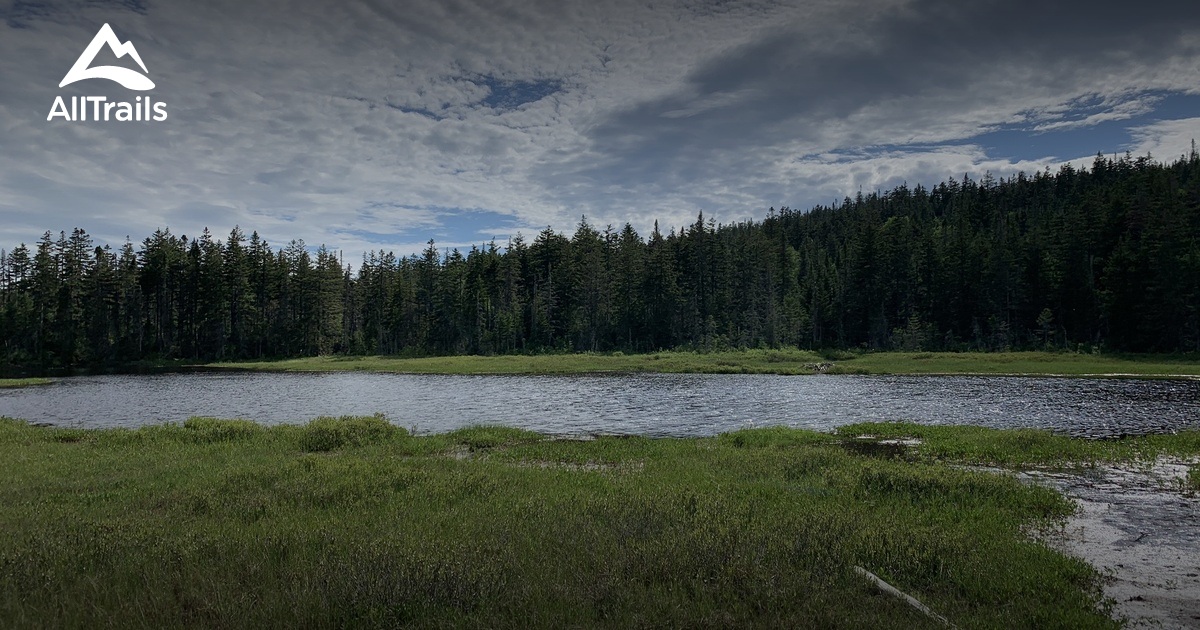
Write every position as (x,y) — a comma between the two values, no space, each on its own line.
(141,109)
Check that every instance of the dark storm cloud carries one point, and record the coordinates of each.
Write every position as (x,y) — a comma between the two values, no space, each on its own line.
(940,55)
(23,14)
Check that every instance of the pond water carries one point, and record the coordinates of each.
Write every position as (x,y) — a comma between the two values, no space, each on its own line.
(644,404)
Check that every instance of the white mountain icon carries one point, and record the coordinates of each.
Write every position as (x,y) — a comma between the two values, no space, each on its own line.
(126,77)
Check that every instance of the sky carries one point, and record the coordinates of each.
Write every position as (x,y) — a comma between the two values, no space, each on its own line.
(367,124)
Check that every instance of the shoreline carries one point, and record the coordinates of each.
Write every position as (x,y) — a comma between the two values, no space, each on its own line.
(781,362)
(1135,525)
(778,362)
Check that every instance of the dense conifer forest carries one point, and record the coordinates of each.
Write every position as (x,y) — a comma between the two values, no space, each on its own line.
(1099,259)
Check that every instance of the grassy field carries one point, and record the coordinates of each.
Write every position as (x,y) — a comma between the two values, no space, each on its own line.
(23,382)
(352,522)
(754,362)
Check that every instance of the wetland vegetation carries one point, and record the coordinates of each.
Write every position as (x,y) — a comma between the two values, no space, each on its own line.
(352,521)
(23,382)
(754,362)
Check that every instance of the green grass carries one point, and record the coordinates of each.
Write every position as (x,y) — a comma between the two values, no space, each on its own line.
(327,434)
(350,522)
(750,361)
(23,382)
(753,362)
(1024,447)
(1022,363)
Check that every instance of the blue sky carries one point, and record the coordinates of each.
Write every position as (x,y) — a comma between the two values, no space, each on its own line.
(367,124)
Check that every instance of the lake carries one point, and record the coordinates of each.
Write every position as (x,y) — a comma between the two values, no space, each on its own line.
(643,404)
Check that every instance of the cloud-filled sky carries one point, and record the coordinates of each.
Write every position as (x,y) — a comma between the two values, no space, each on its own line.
(368,124)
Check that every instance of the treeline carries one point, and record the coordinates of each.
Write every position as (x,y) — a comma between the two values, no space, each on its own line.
(1106,258)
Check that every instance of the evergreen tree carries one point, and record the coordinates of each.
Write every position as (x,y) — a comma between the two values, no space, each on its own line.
(1106,257)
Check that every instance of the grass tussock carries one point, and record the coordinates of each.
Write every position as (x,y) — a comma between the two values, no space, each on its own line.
(350,522)
(327,433)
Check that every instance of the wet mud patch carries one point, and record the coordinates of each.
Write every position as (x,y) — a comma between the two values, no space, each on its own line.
(585,466)
(872,446)
(1136,526)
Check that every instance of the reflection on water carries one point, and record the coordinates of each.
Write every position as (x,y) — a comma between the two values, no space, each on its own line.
(646,404)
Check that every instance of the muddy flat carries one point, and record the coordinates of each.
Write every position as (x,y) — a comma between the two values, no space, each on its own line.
(1136,525)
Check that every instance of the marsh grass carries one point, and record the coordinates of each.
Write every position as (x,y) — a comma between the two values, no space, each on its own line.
(757,361)
(733,362)
(216,524)
(329,433)
(218,430)
(486,437)
(1019,447)
(24,382)
(1022,363)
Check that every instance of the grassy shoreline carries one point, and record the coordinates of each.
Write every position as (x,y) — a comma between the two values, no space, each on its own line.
(790,362)
(23,382)
(353,522)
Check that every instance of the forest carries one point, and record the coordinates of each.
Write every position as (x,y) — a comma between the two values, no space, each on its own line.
(1105,259)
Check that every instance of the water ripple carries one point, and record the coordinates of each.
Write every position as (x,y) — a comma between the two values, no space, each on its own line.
(644,404)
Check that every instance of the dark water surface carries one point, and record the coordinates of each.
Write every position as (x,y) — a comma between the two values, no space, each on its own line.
(646,404)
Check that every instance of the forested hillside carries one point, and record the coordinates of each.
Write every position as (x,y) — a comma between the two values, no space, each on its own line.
(1102,258)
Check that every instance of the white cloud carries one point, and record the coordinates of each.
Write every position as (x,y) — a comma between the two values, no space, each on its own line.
(1119,107)
(358,124)
(1166,140)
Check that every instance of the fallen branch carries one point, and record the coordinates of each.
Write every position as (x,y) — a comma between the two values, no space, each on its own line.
(912,601)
